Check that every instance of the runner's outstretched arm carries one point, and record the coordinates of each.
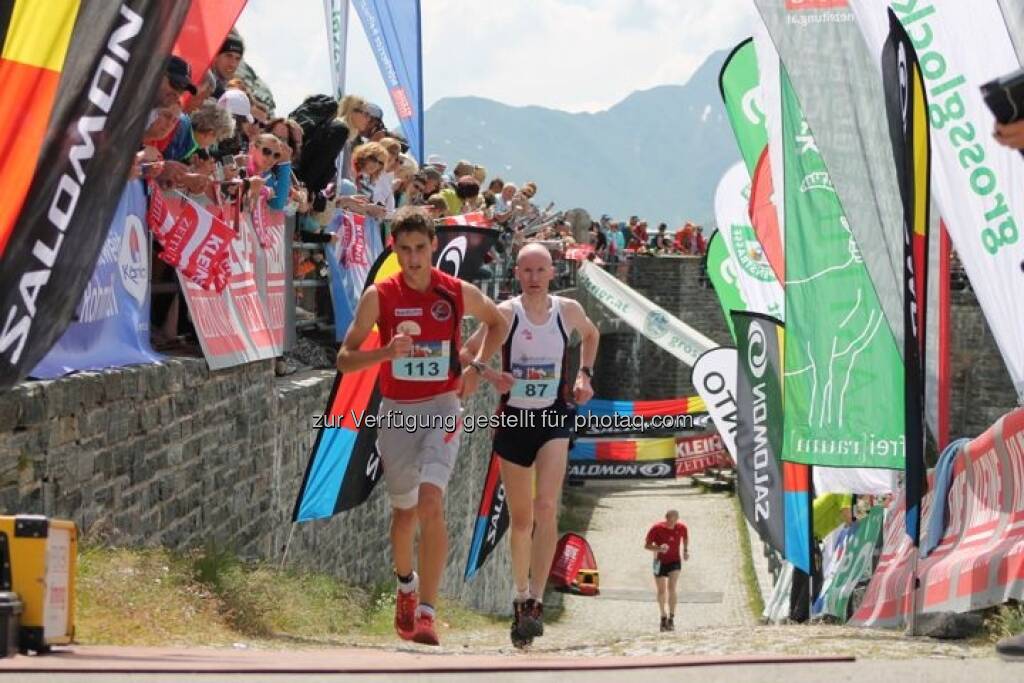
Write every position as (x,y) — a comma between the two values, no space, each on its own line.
(350,357)
(472,346)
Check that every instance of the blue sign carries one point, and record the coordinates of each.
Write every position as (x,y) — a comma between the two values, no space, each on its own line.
(111,323)
(393,31)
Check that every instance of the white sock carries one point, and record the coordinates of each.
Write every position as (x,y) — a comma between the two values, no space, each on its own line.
(522,596)
(411,586)
(425,609)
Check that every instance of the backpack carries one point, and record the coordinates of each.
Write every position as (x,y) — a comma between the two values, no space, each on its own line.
(314,112)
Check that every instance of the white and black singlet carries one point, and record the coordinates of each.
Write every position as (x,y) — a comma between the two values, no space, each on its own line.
(536,409)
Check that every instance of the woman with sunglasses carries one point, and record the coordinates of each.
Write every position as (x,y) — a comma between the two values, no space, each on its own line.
(271,161)
(368,163)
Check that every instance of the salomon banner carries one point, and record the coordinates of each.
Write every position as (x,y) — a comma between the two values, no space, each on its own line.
(759,342)
(606,417)
(977,183)
(979,561)
(336,14)
(855,566)
(393,31)
(462,251)
(643,469)
(640,313)
(714,377)
(721,270)
(758,285)
(111,323)
(78,80)
(491,520)
(843,356)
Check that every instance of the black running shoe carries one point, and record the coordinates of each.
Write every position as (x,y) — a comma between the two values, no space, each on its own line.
(664,624)
(531,619)
(519,637)
(1011,649)
(671,625)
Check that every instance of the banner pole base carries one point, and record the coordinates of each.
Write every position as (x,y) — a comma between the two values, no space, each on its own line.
(287,544)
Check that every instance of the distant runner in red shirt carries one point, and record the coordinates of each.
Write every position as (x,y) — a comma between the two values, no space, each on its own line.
(664,538)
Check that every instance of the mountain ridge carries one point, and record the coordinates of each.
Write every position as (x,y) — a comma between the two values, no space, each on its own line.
(658,152)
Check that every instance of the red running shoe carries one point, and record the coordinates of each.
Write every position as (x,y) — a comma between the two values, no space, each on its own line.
(405,614)
(425,633)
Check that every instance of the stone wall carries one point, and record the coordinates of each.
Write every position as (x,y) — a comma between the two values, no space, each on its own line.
(179,456)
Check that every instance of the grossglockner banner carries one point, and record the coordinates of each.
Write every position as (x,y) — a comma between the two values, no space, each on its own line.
(978,184)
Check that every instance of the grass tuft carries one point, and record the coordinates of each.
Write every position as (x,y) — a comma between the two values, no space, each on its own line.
(1005,620)
(152,596)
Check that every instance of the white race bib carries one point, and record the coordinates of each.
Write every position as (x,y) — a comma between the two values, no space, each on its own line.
(535,381)
(427,362)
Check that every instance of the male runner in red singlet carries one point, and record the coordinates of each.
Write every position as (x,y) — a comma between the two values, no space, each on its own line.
(419,313)
(537,418)
(663,539)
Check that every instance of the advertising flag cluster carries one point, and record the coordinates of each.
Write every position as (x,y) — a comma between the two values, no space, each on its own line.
(978,184)
(68,148)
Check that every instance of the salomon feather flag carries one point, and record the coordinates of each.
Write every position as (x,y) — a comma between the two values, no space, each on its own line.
(77,78)
(491,521)
(345,466)
(759,478)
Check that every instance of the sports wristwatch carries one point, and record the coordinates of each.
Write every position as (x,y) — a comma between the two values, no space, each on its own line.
(589,372)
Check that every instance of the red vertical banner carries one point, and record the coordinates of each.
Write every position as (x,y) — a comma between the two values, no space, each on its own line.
(206,25)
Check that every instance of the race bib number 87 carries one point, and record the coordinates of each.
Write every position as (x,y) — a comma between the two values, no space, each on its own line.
(534,381)
(426,362)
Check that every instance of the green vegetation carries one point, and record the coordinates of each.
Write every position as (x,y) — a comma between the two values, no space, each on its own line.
(151,596)
(1005,620)
(754,599)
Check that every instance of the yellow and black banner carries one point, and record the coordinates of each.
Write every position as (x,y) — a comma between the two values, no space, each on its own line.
(77,80)
(907,109)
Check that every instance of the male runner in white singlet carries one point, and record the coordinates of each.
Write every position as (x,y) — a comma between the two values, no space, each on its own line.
(419,313)
(537,418)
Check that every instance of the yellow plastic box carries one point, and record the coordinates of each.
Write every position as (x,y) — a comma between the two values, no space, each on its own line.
(43,556)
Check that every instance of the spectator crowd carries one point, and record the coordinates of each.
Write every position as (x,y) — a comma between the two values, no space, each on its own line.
(217,139)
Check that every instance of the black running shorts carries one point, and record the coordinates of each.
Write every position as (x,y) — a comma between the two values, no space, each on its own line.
(534,428)
(666,568)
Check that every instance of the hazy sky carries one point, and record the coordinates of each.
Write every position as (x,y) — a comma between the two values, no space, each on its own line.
(574,55)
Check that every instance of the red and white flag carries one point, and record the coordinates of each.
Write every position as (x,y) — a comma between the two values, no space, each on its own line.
(159,216)
(197,245)
(476,219)
(582,252)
